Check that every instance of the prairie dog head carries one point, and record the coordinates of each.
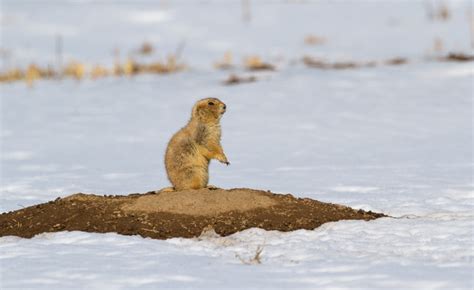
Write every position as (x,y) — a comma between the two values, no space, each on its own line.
(208,110)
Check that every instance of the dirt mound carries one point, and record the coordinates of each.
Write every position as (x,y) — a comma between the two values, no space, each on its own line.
(201,202)
(176,214)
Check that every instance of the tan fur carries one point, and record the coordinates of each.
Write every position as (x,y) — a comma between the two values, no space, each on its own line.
(190,150)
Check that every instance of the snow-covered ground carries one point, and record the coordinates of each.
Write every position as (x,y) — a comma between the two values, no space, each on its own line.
(393,139)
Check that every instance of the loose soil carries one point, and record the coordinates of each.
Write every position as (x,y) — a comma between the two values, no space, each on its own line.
(176,214)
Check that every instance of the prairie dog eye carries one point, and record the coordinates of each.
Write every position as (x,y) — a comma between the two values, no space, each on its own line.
(210,104)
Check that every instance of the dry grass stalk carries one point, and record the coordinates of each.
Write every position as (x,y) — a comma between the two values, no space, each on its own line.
(130,67)
(396,61)
(438,45)
(458,57)
(321,64)
(314,40)
(146,48)
(11,75)
(99,71)
(78,70)
(225,63)
(34,72)
(74,69)
(437,11)
(256,63)
(235,79)
(471,25)
(443,12)
(255,260)
(318,63)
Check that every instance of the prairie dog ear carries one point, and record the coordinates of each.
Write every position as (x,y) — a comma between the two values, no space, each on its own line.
(195,109)
(198,110)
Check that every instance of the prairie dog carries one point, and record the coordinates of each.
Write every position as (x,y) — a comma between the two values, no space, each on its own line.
(190,150)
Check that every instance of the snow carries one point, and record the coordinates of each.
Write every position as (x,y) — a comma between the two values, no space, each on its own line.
(396,140)
(413,254)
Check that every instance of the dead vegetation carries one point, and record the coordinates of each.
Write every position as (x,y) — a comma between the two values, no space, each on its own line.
(146,48)
(314,40)
(234,79)
(458,57)
(341,65)
(437,10)
(33,73)
(470,17)
(130,66)
(322,64)
(78,70)
(396,61)
(99,71)
(12,75)
(438,45)
(225,63)
(255,63)
(75,70)
(251,63)
(255,260)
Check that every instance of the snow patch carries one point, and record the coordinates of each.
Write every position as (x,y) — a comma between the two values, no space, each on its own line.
(150,16)
(16,155)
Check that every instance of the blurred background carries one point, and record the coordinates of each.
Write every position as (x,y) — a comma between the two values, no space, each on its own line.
(57,35)
(365,103)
